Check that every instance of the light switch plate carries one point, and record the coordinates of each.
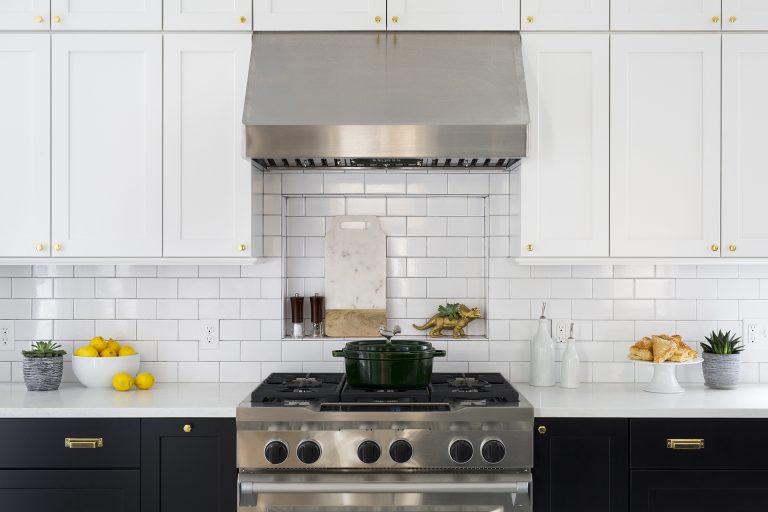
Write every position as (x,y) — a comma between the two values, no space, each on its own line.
(755,333)
(7,339)
(209,334)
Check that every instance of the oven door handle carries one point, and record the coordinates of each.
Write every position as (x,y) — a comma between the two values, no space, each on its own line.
(512,487)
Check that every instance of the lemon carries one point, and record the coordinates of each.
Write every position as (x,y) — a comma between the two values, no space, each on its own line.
(108,352)
(127,350)
(145,380)
(113,344)
(98,343)
(87,351)
(122,382)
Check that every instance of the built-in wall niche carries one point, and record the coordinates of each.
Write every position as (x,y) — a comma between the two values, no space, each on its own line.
(437,251)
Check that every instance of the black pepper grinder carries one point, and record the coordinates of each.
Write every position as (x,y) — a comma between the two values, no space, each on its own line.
(297,315)
(317,306)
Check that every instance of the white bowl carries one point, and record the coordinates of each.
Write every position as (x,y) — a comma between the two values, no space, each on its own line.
(97,372)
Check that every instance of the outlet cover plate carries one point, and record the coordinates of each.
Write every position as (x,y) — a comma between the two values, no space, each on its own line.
(560,329)
(7,340)
(755,333)
(209,334)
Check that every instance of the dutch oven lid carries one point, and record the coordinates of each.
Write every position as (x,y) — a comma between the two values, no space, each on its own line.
(396,346)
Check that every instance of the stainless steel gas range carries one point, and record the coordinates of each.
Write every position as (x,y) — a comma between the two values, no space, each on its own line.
(309,442)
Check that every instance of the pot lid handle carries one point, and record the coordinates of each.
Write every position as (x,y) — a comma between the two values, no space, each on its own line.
(389,334)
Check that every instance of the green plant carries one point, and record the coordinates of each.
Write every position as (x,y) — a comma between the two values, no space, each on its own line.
(44,349)
(720,343)
(449,310)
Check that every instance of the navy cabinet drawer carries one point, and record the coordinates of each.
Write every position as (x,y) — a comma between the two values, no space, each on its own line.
(698,443)
(40,443)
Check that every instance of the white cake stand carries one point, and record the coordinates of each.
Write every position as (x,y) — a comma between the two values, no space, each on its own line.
(664,378)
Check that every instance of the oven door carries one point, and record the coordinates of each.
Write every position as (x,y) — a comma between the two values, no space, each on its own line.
(381,492)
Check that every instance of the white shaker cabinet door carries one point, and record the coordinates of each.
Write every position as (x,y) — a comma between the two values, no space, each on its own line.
(453,15)
(665,145)
(207,180)
(564,14)
(319,15)
(666,15)
(25,145)
(745,15)
(745,177)
(207,15)
(106,14)
(107,145)
(565,177)
(24,14)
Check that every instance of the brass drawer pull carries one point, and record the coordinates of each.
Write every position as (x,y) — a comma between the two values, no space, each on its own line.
(83,442)
(685,444)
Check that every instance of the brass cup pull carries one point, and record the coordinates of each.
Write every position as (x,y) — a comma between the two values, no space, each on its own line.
(83,442)
(187,428)
(685,444)
(39,19)
(377,19)
(57,19)
(715,247)
(395,19)
(530,19)
(542,430)
(715,19)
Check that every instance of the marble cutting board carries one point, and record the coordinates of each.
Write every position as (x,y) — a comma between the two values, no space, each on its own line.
(355,277)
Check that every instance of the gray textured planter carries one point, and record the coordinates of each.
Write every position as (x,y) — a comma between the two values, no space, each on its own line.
(721,371)
(43,373)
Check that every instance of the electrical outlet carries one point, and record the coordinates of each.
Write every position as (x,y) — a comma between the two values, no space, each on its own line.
(755,333)
(560,329)
(209,334)
(6,335)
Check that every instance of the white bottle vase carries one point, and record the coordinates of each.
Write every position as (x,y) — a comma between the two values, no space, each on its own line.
(542,355)
(569,366)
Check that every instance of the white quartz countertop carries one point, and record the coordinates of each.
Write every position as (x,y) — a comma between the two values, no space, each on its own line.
(163,401)
(630,401)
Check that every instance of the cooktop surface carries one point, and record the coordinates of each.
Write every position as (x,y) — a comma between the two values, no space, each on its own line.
(301,389)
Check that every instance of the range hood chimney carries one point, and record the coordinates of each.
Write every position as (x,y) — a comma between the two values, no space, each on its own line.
(386,99)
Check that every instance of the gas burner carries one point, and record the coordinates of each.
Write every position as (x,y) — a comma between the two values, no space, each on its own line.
(303,384)
(468,384)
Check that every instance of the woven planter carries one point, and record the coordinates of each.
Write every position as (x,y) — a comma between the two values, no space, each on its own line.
(43,373)
(721,371)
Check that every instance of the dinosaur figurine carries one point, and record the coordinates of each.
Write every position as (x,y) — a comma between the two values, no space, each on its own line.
(455,317)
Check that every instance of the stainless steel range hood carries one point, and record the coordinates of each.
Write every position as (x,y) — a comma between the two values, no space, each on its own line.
(386,99)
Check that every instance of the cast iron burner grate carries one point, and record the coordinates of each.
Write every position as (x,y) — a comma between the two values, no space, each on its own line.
(291,389)
(468,384)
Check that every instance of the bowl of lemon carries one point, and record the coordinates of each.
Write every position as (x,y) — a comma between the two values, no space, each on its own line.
(97,363)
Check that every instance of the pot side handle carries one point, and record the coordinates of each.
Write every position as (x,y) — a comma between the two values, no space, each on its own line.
(439,353)
(338,353)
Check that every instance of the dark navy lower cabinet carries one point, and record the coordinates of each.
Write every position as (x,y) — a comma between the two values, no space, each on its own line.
(581,465)
(188,465)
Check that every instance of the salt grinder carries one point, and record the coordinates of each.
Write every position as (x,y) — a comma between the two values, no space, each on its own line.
(297,315)
(317,306)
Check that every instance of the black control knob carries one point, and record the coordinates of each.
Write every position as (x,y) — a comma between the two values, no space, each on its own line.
(369,452)
(494,451)
(276,452)
(308,452)
(461,451)
(401,451)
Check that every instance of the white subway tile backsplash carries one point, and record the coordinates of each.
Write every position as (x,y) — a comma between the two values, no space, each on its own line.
(240,288)
(305,226)
(76,288)
(571,288)
(367,206)
(393,226)
(177,271)
(301,183)
(469,183)
(717,310)
(120,330)
(717,271)
(593,271)
(135,308)
(61,309)
(181,309)
(637,271)
(33,330)
(655,288)
(157,288)
(204,288)
(427,226)
(320,206)
(613,330)
(15,271)
(123,287)
(159,330)
(675,309)
(446,287)
(447,206)
(32,288)
(94,308)
(68,330)
(240,329)
(738,289)
(423,267)
(239,372)
(401,247)
(342,183)
(198,372)
(15,309)
(466,226)
(595,309)
(406,206)
(390,183)
(456,247)
(220,270)
(426,183)
(634,310)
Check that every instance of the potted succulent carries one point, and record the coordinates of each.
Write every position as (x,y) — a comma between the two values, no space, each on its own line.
(721,360)
(43,366)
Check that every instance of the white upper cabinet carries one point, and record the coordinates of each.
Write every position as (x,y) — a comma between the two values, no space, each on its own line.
(666,14)
(565,177)
(106,14)
(319,14)
(24,14)
(207,181)
(745,15)
(107,145)
(665,145)
(25,145)
(453,15)
(564,14)
(207,15)
(745,180)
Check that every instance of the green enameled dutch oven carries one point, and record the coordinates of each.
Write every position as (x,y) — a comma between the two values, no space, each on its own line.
(378,364)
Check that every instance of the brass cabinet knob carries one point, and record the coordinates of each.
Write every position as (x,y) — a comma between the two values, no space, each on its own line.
(395,19)
(732,19)
(242,247)
(530,19)
(715,19)
(732,248)
(715,247)
(57,19)
(39,19)
(530,247)
(377,19)
(243,19)
(542,430)
(187,428)
(39,247)
(56,247)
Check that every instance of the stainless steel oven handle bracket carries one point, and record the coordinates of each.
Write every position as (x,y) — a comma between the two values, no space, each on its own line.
(253,488)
